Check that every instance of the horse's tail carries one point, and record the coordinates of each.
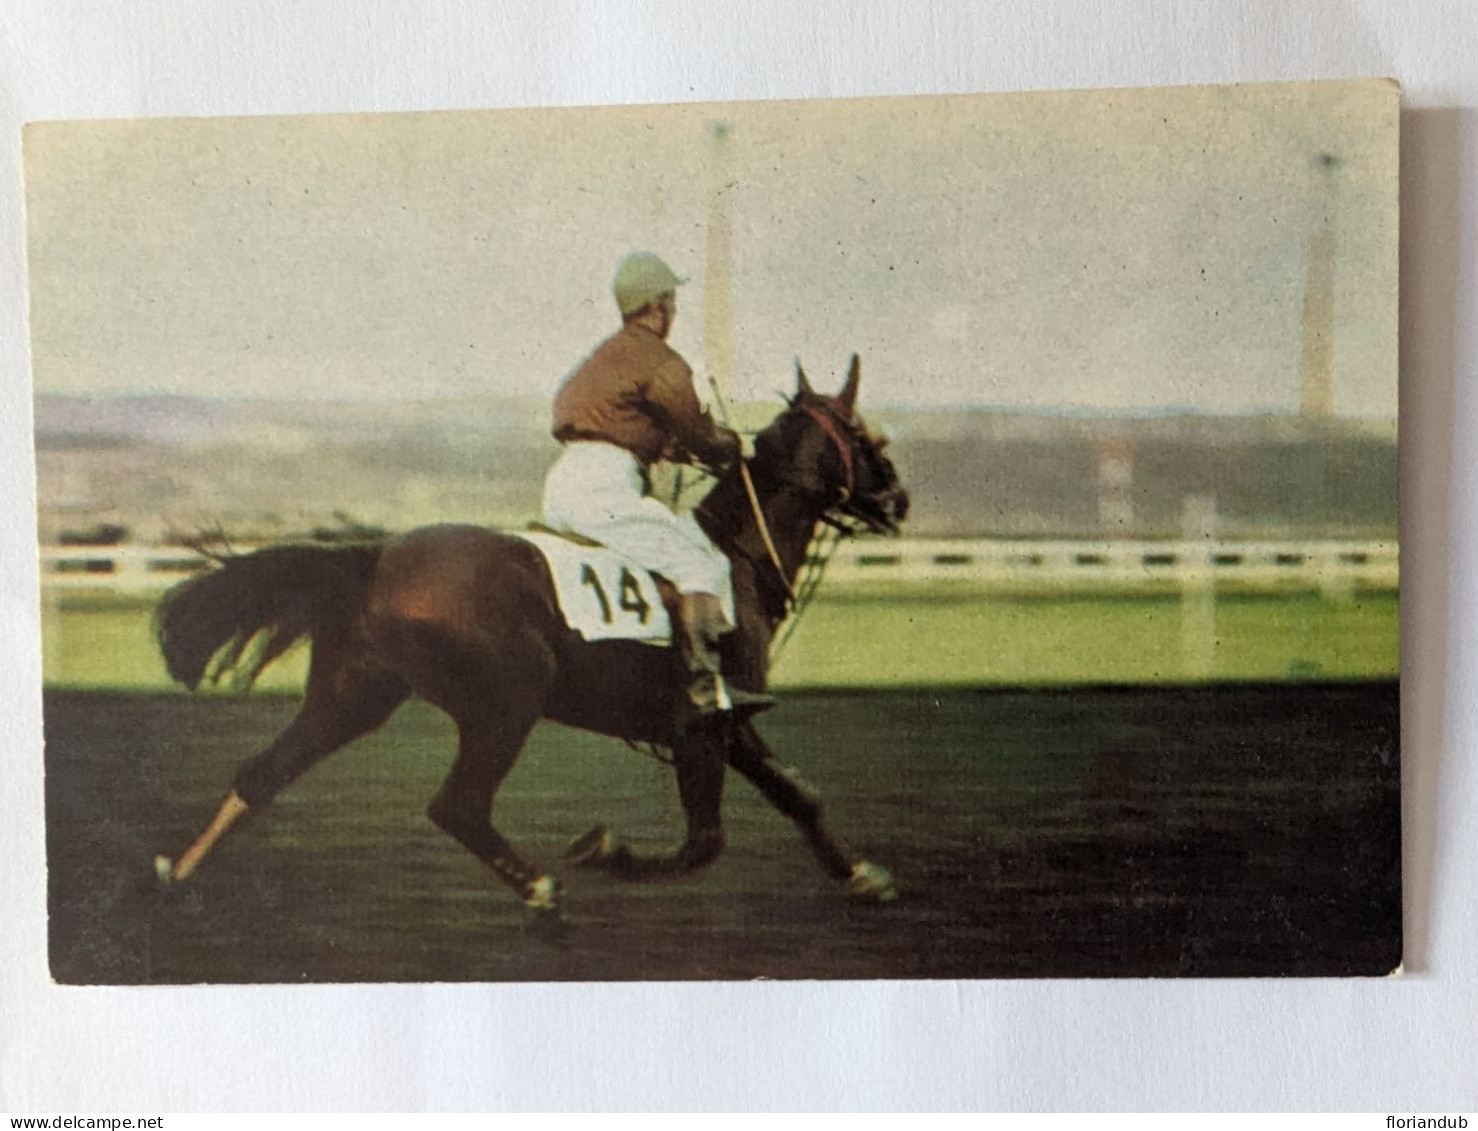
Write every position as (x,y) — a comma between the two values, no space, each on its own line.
(272,597)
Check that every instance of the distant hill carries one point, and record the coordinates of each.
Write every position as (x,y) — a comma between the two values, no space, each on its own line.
(177,464)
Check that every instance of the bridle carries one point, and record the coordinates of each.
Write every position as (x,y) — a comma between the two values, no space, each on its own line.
(829,415)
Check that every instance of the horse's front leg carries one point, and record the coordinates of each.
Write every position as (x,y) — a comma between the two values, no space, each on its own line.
(700,755)
(700,758)
(784,789)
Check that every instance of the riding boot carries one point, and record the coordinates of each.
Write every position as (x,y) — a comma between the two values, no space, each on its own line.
(703,623)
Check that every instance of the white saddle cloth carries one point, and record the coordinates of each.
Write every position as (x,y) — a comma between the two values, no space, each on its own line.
(602,595)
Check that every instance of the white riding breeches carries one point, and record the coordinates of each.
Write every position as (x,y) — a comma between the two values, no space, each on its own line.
(597,490)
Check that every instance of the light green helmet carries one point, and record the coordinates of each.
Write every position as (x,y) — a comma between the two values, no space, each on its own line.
(641,279)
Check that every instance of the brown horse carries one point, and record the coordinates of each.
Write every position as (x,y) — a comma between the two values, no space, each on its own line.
(468,619)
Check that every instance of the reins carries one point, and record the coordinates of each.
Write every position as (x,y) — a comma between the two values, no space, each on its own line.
(754,501)
(759,518)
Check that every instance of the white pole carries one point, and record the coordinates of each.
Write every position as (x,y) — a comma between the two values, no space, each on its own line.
(718,283)
(1316,398)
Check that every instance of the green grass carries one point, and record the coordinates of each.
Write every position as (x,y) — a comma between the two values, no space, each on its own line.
(904,639)
(921,642)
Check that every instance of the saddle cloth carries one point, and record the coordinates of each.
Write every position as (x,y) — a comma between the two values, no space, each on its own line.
(602,595)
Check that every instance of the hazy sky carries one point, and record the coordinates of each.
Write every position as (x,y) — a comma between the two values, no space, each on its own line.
(1120,250)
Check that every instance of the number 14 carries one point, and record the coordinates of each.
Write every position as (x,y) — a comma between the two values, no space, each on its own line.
(631,599)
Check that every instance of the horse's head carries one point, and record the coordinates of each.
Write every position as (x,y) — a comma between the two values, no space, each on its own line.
(821,446)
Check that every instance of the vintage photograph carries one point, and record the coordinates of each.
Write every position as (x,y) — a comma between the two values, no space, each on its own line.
(920,537)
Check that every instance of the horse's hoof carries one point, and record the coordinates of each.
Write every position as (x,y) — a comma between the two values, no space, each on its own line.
(871,883)
(543,899)
(160,885)
(591,850)
(542,895)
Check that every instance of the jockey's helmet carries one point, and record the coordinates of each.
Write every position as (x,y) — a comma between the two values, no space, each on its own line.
(641,279)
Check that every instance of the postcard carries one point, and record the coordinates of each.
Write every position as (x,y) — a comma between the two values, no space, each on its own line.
(908,538)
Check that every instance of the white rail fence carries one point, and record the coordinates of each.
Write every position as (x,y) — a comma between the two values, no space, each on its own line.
(118,569)
(1333,568)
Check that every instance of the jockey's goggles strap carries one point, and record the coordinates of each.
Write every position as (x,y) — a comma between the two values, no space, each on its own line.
(828,424)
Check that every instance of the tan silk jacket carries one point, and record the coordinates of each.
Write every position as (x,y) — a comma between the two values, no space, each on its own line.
(635,391)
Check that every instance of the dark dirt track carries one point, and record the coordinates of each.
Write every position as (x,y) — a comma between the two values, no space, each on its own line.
(1239,830)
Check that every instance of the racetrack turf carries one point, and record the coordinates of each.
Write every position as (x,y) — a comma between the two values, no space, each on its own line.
(1240,829)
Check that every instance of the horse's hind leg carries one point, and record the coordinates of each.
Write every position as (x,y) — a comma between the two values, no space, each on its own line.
(490,739)
(492,679)
(784,789)
(342,703)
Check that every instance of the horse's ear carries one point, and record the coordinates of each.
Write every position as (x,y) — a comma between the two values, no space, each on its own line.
(802,386)
(848,395)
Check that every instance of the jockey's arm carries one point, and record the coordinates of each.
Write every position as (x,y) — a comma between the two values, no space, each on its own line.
(672,400)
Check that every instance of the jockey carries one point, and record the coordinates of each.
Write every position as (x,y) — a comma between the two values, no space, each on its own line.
(629,404)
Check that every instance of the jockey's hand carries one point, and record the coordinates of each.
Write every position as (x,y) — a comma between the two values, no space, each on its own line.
(727,449)
(716,453)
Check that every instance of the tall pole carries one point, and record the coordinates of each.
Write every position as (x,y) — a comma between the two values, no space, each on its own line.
(1316,400)
(1317,394)
(718,281)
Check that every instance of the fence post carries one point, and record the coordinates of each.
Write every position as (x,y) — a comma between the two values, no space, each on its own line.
(1198,586)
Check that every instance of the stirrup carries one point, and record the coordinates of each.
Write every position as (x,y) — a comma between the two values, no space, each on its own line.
(748,702)
(709,694)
